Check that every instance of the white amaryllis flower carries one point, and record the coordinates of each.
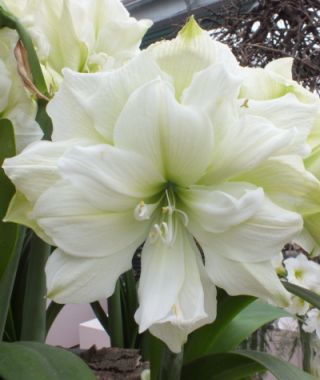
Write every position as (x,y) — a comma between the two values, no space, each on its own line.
(83,35)
(303,272)
(162,152)
(16,103)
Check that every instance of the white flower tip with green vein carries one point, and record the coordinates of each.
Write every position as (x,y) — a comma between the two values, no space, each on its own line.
(191,29)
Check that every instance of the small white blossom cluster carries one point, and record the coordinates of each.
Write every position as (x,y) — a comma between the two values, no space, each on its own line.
(305,273)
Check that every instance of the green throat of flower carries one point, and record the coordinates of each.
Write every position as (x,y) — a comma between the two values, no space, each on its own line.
(164,215)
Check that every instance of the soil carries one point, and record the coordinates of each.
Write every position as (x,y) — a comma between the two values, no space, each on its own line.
(114,363)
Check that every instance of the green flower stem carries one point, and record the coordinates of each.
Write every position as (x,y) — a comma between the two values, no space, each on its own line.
(101,315)
(8,279)
(52,312)
(115,318)
(306,349)
(171,365)
(129,302)
(34,305)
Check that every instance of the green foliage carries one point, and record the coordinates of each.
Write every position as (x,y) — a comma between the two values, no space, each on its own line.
(223,366)
(8,231)
(237,365)
(36,361)
(202,341)
(251,318)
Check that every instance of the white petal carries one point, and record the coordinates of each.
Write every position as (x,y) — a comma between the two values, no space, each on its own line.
(167,133)
(194,307)
(273,81)
(81,280)
(218,209)
(287,112)
(246,145)
(286,181)
(108,29)
(259,238)
(35,169)
(281,66)
(307,242)
(66,50)
(162,276)
(80,229)
(312,162)
(191,51)
(312,225)
(20,211)
(256,279)
(215,90)
(110,178)
(88,105)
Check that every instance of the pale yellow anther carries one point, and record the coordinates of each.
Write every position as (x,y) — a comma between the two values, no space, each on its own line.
(174,310)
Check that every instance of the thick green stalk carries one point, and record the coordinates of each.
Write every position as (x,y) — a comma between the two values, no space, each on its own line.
(306,349)
(115,318)
(8,279)
(101,316)
(129,302)
(171,365)
(34,304)
(51,313)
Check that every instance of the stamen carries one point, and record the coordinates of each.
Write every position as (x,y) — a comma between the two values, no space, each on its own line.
(167,233)
(184,216)
(141,211)
(155,233)
(144,211)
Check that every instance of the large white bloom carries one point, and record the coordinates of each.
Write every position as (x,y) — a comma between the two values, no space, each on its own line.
(15,102)
(163,152)
(83,35)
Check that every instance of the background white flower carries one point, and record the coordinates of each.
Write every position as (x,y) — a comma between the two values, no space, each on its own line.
(303,272)
(83,35)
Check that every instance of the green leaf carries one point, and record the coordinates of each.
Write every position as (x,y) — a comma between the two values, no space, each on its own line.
(305,294)
(244,324)
(239,364)
(280,369)
(44,120)
(202,340)
(152,350)
(8,231)
(11,236)
(171,365)
(116,317)
(129,303)
(7,281)
(99,313)
(227,366)
(51,314)
(33,326)
(36,361)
